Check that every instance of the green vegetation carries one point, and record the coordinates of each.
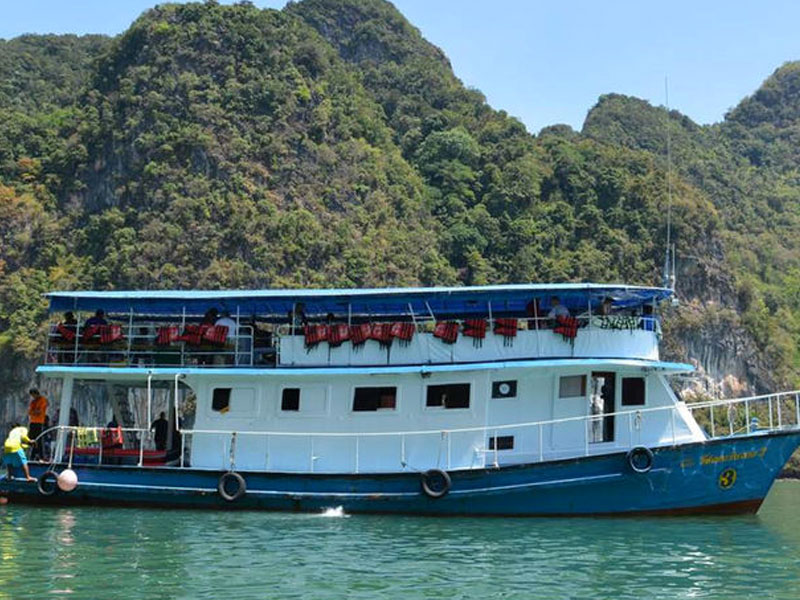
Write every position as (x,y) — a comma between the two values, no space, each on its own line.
(330,144)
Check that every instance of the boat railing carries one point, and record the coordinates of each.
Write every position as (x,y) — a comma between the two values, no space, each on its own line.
(148,344)
(666,425)
(69,437)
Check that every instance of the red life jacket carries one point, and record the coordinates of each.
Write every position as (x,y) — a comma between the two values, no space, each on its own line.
(167,334)
(403,331)
(382,333)
(475,328)
(566,326)
(90,332)
(447,331)
(110,334)
(360,333)
(338,334)
(68,335)
(112,438)
(193,334)
(505,327)
(314,334)
(216,334)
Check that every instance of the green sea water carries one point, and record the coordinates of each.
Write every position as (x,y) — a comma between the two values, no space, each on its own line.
(126,553)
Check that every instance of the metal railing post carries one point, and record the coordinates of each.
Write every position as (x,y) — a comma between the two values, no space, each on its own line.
(141,447)
(100,450)
(780,420)
(747,414)
(769,402)
(672,424)
(797,409)
(541,444)
(183,448)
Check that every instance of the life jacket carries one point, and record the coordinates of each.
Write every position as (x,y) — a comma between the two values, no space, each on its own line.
(216,334)
(566,326)
(447,331)
(314,334)
(507,328)
(112,437)
(110,334)
(90,332)
(338,334)
(360,333)
(67,334)
(476,329)
(193,334)
(381,333)
(403,332)
(167,334)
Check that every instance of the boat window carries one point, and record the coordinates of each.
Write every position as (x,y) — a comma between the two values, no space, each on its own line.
(374,398)
(290,399)
(503,442)
(221,400)
(450,395)
(504,389)
(633,391)
(572,386)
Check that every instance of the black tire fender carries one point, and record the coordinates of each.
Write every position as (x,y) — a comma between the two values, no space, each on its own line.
(435,483)
(640,459)
(223,485)
(47,483)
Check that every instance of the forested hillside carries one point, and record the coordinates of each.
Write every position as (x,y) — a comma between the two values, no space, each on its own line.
(329,144)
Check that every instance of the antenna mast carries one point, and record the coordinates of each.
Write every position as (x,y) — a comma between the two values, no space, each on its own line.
(669,274)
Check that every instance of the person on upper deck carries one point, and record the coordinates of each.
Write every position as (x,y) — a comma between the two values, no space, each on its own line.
(557,309)
(606,306)
(225,320)
(210,318)
(97,320)
(297,318)
(648,321)
(70,323)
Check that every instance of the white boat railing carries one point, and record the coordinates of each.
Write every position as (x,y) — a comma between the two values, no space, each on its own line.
(731,417)
(136,346)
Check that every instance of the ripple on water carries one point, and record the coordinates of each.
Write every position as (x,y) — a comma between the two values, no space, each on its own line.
(120,553)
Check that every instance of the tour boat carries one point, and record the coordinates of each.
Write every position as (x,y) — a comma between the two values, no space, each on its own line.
(490,400)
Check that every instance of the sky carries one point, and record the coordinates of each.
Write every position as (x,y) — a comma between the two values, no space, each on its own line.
(547,62)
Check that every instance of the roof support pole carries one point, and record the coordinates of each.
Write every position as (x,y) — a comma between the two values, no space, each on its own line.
(63,416)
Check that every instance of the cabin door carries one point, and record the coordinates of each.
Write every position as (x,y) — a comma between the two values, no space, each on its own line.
(601,406)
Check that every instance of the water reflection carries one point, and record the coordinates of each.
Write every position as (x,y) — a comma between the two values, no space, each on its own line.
(117,553)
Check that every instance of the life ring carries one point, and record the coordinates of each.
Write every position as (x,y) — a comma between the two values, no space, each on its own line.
(47,483)
(435,483)
(225,481)
(640,459)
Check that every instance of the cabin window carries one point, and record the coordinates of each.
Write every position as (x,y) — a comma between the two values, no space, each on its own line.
(221,400)
(503,442)
(374,398)
(451,395)
(633,391)
(504,389)
(290,399)
(572,386)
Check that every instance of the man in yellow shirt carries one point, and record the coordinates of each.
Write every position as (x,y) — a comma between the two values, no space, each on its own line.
(13,453)
(37,413)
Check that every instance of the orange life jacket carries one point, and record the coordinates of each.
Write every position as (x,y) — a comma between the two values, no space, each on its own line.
(447,331)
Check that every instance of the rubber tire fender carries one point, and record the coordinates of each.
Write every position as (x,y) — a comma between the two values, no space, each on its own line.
(633,456)
(429,476)
(240,489)
(42,480)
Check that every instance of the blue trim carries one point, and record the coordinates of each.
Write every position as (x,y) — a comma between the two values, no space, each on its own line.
(55,370)
(505,299)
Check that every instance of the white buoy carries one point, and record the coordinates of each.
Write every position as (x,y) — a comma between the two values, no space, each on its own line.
(67,480)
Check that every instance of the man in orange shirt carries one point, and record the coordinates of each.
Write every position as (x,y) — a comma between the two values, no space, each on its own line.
(37,411)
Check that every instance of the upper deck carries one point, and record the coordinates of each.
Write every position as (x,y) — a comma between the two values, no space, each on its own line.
(378,327)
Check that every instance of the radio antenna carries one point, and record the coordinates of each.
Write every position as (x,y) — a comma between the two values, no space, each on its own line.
(669,274)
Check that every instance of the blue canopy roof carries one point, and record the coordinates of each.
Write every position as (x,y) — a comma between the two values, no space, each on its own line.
(375,302)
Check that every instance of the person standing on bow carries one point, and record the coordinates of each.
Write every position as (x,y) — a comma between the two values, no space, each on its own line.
(37,411)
